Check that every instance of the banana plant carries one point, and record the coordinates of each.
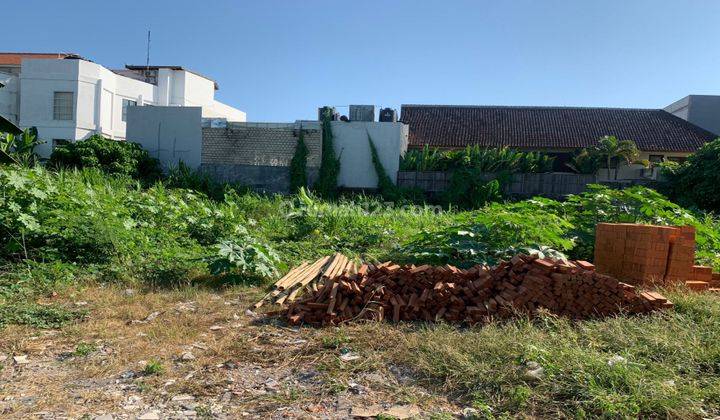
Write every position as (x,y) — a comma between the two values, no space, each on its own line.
(19,149)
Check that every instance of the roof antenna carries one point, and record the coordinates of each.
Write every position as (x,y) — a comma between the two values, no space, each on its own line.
(147,58)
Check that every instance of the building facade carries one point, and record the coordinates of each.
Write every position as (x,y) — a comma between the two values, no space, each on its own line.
(69,98)
(558,131)
(259,154)
(701,110)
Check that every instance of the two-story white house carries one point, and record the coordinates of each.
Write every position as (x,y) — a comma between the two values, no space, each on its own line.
(69,98)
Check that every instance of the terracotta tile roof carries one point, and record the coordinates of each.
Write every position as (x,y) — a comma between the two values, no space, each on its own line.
(14,59)
(548,127)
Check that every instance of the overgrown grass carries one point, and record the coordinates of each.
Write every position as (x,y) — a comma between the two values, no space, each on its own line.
(670,364)
(66,227)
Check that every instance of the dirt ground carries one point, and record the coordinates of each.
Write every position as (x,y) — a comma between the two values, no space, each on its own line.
(191,353)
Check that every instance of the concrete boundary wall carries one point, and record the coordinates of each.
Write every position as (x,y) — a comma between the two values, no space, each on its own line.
(259,154)
(350,141)
(553,184)
(169,133)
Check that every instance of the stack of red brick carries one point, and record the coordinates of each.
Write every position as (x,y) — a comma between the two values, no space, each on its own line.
(651,255)
(524,285)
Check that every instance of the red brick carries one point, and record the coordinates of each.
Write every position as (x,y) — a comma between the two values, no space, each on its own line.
(697,285)
(585,265)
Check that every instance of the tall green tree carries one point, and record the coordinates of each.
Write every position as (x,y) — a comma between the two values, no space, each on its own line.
(614,151)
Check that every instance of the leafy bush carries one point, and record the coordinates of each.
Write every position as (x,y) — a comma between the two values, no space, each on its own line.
(608,153)
(58,228)
(696,182)
(585,161)
(496,232)
(632,205)
(39,316)
(482,159)
(248,257)
(469,188)
(182,176)
(111,156)
(19,149)
(89,218)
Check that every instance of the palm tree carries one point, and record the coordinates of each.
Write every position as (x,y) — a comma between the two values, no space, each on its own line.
(614,150)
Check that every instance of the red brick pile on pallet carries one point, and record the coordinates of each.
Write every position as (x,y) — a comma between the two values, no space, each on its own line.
(524,285)
(651,255)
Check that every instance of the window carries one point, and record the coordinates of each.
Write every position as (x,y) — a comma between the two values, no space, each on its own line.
(63,106)
(656,158)
(126,104)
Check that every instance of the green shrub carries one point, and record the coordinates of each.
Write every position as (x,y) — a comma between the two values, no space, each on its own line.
(39,316)
(469,188)
(482,159)
(111,156)
(182,176)
(245,255)
(87,217)
(696,182)
(632,205)
(585,161)
(154,367)
(20,149)
(496,232)
(84,349)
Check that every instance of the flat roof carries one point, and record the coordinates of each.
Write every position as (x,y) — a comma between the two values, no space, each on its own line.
(136,67)
(15,58)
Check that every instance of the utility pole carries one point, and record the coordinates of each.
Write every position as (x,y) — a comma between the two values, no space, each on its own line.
(147,58)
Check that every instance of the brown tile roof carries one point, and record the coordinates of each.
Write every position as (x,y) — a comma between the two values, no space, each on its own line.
(15,59)
(549,127)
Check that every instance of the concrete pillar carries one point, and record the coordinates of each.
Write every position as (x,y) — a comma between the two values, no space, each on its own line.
(98,106)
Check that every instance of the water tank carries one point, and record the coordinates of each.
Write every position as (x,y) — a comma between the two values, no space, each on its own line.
(362,112)
(388,115)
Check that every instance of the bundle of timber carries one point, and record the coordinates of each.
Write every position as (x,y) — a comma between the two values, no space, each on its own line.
(523,285)
(307,277)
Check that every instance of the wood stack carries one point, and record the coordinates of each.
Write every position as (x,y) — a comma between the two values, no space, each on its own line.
(524,285)
(307,277)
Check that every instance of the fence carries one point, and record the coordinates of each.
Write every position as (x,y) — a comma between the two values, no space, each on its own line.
(553,184)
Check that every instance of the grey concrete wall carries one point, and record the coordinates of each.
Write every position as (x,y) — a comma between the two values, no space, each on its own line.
(701,110)
(552,184)
(271,179)
(350,140)
(169,133)
(705,112)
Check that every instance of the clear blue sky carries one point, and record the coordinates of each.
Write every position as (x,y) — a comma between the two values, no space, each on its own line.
(280,60)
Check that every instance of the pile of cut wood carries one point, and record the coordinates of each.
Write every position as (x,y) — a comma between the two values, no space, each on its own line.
(307,278)
(336,291)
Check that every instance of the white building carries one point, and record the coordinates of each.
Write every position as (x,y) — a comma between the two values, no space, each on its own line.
(69,98)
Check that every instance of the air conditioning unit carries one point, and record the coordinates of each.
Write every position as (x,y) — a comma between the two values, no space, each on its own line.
(388,115)
(362,112)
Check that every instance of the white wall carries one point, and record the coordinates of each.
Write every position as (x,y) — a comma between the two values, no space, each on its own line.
(350,141)
(98,94)
(219,110)
(9,99)
(39,79)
